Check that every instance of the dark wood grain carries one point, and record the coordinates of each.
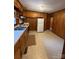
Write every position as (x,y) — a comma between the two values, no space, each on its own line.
(58,23)
(31,17)
(32,23)
(18,5)
(20,46)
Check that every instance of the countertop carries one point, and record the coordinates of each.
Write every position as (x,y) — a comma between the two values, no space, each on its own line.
(18,34)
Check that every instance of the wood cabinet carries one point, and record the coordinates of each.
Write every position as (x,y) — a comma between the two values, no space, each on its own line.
(17,54)
(20,45)
(23,41)
(17,46)
(19,10)
(18,5)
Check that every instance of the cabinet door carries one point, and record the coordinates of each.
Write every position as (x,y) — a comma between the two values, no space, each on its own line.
(15,3)
(18,5)
(17,54)
(22,41)
(17,46)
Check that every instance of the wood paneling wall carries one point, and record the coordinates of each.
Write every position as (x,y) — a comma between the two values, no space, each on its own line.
(32,22)
(58,25)
(48,21)
(32,16)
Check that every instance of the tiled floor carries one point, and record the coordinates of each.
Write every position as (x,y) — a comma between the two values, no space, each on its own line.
(48,46)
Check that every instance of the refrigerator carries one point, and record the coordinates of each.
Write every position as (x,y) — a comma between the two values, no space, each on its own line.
(40,24)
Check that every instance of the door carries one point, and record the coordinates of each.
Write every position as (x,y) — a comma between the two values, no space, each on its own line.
(51,21)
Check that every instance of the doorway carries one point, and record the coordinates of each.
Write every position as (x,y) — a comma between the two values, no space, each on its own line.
(51,21)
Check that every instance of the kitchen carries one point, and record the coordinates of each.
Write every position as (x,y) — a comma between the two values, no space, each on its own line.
(39,32)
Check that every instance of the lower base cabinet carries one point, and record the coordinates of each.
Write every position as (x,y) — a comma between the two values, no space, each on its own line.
(20,47)
(17,54)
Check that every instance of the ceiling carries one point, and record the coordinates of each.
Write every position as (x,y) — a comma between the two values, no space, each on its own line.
(46,6)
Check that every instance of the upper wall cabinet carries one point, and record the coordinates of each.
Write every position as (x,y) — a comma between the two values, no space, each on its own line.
(18,5)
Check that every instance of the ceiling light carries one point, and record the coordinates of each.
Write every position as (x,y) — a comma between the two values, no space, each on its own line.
(42,7)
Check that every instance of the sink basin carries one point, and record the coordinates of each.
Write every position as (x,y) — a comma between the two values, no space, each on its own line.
(19,28)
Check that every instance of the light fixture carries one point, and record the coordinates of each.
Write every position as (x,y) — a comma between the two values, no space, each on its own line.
(42,7)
